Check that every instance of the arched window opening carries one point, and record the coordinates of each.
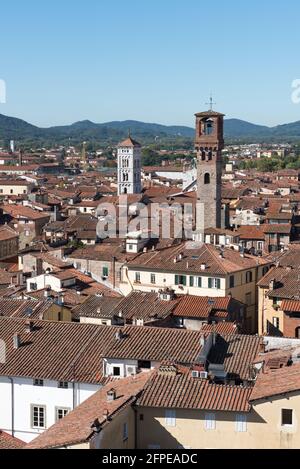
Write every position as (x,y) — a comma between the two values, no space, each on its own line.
(206,178)
(207,126)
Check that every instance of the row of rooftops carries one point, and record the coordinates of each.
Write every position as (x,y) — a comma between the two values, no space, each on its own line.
(149,390)
(30,343)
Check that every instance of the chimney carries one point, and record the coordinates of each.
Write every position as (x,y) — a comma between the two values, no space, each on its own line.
(203,266)
(214,337)
(47,293)
(16,341)
(272,284)
(202,341)
(28,326)
(96,426)
(111,395)
(119,335)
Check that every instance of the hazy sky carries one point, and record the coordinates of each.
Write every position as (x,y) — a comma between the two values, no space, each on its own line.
(150,60)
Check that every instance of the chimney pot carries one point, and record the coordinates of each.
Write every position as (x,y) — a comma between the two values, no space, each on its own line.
(111,395)
(16,341)
(28,326)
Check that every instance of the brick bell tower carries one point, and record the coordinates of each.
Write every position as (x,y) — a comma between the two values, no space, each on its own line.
(209,144)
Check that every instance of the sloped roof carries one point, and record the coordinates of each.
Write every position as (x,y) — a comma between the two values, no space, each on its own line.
(9,442)
(129,142)
(182,391)
(275,382)
(200,306)
(193,259)
(76,428)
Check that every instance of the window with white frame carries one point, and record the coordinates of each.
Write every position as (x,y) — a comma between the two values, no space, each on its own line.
(61,412)
(170,418)
(38,382)
(276,322)
(241,423)
(63,384)
(38,416)
(214,283)
(137,277)
(210,421)
(116,371)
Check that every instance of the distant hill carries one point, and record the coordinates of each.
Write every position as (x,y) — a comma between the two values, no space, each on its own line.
(112,132)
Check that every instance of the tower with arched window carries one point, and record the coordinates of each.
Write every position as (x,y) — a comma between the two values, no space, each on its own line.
(129,167)
(209,144)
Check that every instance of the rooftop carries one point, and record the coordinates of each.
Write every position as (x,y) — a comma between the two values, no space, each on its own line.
(76,427)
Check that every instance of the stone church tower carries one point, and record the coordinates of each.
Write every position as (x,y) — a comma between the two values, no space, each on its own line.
(209,144)
(129,167)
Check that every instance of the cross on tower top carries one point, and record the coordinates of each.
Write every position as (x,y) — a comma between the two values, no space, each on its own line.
(211,103)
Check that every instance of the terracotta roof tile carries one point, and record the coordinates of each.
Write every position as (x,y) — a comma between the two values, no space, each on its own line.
(200,306)
(182,391)
(276,382)
(9,442)
(76,428)
(192,259)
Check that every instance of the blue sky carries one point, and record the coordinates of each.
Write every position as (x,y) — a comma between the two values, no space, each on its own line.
(150,60)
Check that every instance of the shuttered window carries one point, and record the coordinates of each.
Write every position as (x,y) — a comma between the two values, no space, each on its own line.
(180,280)
(210,421)
(241,423)
(170,418)
(214,283)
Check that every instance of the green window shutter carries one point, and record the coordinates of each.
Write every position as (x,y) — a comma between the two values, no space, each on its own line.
(199,282)
(176,279)
(218,283)
(105,271)
(210,282)
(191,281)
(184,280)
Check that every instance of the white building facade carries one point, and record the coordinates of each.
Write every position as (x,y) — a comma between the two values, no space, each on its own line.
(29,406)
